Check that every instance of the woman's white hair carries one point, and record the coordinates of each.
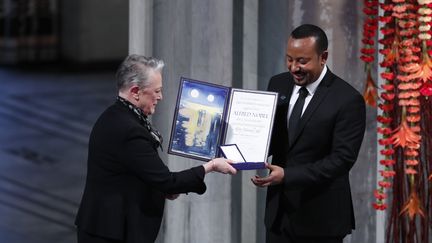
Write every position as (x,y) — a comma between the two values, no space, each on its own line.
(135,70)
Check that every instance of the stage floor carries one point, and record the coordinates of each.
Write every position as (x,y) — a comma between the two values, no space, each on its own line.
(46,115)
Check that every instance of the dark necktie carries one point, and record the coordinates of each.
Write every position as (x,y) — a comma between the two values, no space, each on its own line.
(296,114)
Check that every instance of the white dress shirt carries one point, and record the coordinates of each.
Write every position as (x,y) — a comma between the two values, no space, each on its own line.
(311,89)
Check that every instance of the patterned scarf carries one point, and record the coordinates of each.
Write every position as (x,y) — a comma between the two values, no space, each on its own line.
(143,119)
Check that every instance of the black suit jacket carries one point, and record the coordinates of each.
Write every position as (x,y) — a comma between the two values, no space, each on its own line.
(315,198)
(126,181)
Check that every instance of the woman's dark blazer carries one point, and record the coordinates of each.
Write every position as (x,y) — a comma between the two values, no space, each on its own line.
(315,198)
(126,181)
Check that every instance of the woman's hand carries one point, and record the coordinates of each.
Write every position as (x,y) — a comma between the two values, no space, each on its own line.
(172,196)
(220,165)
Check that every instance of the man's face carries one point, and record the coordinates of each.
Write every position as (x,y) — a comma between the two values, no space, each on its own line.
(150,95)
(303,60)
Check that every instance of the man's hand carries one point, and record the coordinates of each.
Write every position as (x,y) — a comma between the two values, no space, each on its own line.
(275,177)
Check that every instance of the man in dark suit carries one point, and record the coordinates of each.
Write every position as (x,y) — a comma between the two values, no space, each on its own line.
(127,183)
(318,130)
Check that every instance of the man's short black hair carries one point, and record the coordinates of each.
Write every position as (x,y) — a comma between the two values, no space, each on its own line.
(310,30)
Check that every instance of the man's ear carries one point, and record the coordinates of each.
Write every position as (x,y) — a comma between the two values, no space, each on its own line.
(134,91)
(324,57)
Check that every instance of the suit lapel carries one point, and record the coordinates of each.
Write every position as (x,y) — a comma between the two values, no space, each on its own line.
(284,98)
(316,100)
(285,95)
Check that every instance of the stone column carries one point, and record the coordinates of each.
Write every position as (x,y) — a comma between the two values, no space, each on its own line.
(141,27)
(250,223)
(194,38)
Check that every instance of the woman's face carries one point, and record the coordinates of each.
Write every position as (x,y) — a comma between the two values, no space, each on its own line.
(150,95)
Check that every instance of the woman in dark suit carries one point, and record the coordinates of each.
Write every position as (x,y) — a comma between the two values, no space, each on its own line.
(127,183)
(318,131)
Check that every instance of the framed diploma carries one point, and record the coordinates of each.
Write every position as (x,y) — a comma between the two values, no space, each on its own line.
(249,119)
(212,120)
(197,128)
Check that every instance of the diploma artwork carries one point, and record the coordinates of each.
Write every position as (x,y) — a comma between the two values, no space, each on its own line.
(209,119)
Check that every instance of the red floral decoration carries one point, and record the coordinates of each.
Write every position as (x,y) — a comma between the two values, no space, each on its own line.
(370,27)
(426,89)
(390,50)
(405,122)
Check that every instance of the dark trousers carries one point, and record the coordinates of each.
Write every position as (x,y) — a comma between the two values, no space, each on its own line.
(284,237)
(85,237)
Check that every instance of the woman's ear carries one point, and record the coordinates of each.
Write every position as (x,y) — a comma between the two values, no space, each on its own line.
(134,91)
